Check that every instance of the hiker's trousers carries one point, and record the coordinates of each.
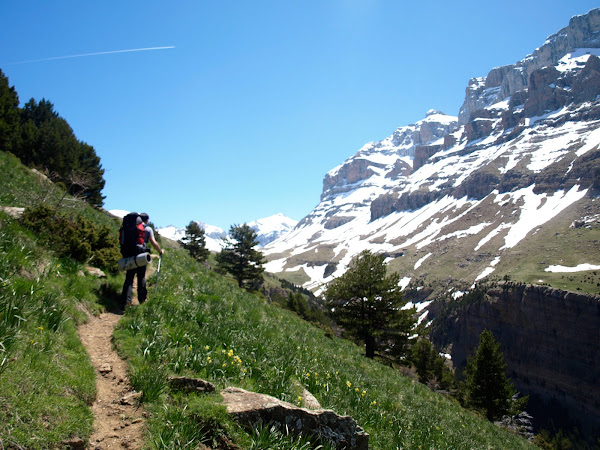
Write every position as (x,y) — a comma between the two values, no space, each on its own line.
(141,285)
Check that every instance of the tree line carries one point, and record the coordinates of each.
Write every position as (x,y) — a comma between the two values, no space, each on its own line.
(40,138)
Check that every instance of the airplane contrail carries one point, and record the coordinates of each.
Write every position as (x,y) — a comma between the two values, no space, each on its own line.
(94,54)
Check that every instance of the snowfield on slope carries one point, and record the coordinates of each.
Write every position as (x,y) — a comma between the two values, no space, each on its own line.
(539,146)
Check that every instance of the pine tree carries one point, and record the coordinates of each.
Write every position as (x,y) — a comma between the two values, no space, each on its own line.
(47,141)
(488,389)
(367,303)
(9,115)
(240,258)
(195,241)
(430,365)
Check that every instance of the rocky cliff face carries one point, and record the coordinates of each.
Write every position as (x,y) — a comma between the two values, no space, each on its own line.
(549,90)
(390,157)
(549,339)
(421,186)
(502,82)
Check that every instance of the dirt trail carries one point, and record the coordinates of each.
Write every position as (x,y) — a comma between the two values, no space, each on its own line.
(118,421)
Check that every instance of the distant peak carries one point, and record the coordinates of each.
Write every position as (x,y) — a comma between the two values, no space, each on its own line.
(433,112)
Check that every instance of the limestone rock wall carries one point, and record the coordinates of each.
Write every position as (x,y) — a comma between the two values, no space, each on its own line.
(502,82)
(550,340)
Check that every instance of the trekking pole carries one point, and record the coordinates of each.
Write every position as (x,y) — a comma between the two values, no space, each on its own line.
(157,273)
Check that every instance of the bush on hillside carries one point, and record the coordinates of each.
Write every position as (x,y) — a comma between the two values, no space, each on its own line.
(195,241)
(240,258)
(74,237)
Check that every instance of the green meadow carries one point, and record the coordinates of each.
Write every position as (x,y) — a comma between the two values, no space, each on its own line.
(196,322)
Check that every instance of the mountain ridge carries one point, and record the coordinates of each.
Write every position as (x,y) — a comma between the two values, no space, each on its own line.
(268,229)
(539,146)
(501,82)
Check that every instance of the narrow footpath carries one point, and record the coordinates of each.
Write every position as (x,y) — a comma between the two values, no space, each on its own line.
(118,419)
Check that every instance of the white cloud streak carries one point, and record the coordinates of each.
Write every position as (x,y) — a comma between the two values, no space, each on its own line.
(94,54)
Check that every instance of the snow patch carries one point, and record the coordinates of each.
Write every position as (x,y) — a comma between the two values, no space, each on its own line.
(565,269)
(420,261)
(576,59)
(120,213)
(537,210)
(404,282)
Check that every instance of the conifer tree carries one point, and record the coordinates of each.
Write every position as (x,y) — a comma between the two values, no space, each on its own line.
(48,142)
(488,389)
(195,241)
(9,115)
(368,303)
(240,258)
(430,365)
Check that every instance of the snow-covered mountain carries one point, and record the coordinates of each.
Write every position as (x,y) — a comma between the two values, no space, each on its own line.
(213,235)
(267,229)
(510,188)
(271,228)
(458,197)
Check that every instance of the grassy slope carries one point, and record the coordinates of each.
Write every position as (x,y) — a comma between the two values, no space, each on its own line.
(201,324)
(558,243)
(46,380)
(47,383)
(198,323)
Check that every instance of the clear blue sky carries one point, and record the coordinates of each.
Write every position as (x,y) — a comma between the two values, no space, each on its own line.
(258,100)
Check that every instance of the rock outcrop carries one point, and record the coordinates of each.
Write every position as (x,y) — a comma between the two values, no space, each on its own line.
(413,140)
(549,339)
(502,82)
(250,408)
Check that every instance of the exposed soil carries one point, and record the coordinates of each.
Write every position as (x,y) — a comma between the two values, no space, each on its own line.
(118,419)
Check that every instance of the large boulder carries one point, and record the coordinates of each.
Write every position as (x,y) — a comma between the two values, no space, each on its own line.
(250,408)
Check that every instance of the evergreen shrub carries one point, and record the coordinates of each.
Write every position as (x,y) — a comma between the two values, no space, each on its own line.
(75,237)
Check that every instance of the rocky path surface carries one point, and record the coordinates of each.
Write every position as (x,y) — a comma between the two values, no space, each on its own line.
(118,420)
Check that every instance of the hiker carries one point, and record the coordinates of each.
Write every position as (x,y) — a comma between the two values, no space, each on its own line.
(140,271)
